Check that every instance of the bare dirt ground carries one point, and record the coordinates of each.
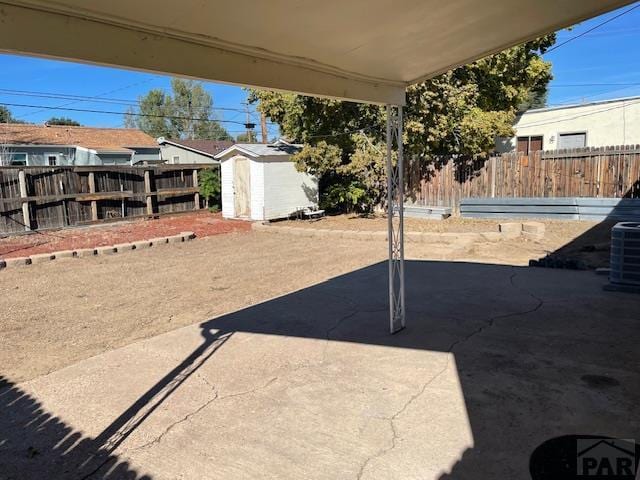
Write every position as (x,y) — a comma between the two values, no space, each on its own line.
(558,229)
(58,313)
(578,240)
(202,223)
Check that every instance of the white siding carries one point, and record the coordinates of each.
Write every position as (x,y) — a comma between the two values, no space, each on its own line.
(277,188)
(610,123)
(226,180)
(286,189)
(257,188)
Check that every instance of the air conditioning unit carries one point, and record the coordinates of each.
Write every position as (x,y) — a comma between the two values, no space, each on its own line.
(625,254)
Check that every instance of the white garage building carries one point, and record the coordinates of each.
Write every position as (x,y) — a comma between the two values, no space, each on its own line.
(260,182)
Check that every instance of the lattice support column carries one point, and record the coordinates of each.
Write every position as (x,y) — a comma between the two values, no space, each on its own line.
(395,213)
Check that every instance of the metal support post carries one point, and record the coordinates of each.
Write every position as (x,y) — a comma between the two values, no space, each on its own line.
(395,214)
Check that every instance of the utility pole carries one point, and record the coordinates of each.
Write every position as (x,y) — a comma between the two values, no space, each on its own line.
(263,125)
(248,124)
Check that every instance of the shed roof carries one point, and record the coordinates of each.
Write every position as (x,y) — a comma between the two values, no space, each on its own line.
(103,139)
(363,50)
(255,150)
(206,147)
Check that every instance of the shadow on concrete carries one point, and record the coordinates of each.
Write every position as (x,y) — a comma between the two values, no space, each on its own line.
(539,354)
(35,444)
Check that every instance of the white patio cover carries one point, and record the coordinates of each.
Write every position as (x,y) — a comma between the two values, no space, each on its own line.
(362,50)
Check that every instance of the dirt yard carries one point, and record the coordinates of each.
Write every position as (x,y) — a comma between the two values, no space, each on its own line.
(56,314)
(451,224)
(203,223)
(587,242)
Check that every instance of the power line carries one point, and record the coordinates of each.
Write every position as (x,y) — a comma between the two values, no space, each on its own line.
(82,98)
(573,85)
(595,27)
(108,112)
(563,119)
(131,85)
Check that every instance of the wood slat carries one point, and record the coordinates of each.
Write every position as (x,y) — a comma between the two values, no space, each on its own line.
(56,197)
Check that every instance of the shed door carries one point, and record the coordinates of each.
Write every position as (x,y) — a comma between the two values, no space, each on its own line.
(242,187)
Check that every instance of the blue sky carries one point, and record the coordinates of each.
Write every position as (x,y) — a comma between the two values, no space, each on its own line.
(610,54)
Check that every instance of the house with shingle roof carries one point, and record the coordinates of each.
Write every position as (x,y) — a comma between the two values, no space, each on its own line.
(50,145)
(191,151)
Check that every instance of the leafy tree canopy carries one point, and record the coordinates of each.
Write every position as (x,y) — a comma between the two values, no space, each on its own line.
(460,113)
(246,137)
(63,121)
(185,113)
(7,117)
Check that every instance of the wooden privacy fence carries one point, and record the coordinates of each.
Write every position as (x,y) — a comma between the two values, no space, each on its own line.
(608,172)
(33,198)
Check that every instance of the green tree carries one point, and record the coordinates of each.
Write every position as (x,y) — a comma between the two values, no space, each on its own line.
(63,121)
(458,113)
(209,182)
(7,117)
(249,137)
(185,113)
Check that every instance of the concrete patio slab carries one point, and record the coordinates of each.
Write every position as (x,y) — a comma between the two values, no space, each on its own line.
(495,360)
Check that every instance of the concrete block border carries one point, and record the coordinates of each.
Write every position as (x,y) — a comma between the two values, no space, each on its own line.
(91,252)
(505,231)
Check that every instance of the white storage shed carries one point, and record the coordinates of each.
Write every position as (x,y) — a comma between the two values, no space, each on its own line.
(260,182)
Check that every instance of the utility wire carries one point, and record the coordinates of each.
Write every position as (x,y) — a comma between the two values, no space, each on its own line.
(595,27)
(109,112)
(81,98)
(569,117)
(131,85)
(573,85)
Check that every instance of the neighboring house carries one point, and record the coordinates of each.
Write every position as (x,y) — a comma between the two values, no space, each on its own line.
(49,145)
(595,124)
(260,182)
(191,151)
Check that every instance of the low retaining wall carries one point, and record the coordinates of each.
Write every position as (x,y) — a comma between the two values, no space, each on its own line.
(90,252)
(531,230)
(559,208)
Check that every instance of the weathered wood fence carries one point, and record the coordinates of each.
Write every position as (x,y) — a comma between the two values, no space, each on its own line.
(608,172)
(33,198)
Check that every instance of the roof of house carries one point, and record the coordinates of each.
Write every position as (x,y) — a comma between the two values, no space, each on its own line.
(262,149)
(635,99)
(209,148)
(104,139)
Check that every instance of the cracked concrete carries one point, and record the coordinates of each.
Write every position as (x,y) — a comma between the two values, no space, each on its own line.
(310,385)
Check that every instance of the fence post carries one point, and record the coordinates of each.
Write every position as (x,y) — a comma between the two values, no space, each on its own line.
(147,190)
(22,180)
(94,203)
(494,162)
(196,196)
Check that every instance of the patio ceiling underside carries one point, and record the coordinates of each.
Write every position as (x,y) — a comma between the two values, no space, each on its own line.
(361,50)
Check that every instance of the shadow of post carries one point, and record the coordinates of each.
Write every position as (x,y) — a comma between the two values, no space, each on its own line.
(42,446)
(35,444)
(538,354)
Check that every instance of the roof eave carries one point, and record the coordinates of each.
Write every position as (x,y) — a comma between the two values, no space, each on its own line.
(229,150)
